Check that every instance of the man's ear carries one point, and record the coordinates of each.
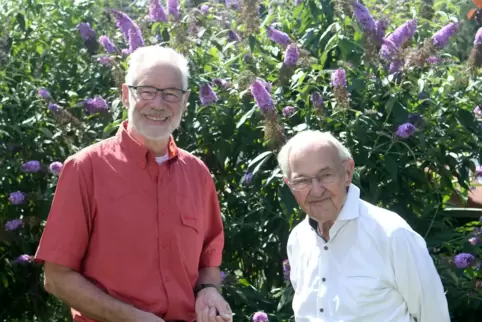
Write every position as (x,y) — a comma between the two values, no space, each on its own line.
(350,168)
(125,95)
(185,100)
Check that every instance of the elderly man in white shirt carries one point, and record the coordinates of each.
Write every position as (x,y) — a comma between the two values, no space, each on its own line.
(351,260)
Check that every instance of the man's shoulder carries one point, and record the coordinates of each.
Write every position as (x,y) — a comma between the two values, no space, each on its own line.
(85,155)
(192,161)
(387,220)
(299,231)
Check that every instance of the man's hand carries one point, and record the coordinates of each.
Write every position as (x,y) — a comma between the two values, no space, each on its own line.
(209,301)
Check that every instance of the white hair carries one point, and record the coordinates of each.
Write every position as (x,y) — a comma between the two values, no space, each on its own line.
(306,137)
(153,55)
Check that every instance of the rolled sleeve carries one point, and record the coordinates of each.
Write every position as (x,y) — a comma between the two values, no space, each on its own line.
(417,278)
(211,255)
(66,234)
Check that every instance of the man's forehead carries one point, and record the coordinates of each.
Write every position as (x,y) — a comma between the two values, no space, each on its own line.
(159,75)
(318,149)
(312,157)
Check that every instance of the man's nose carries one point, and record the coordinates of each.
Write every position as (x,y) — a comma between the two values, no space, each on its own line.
(317,189)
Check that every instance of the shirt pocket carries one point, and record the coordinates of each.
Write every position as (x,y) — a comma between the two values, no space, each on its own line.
(191,235)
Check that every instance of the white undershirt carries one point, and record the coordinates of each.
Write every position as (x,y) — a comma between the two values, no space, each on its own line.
(161,159)
(374,268)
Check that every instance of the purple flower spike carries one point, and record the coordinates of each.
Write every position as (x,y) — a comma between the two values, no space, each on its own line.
(262,97)
(54,107)
(288,111)
(364,17)
(43,93)
(221,82)
(478,111)
(156,11)
(388,49)
(405,130)
(278,37)
(17,198)
(247,178)
(233,36)
(86,32)
(223,276)
(338,78)
(463,260)
(30,166)
(23,259)
(298,2)
(56,167)
(403,33)
(204,9)
(381,28)
(105,60)
(395,66)
(135,38)
(260,317)
(108,45)
(207,94)
(432,60)
(473,241)
(233,4)
(173,8)
(13,224)
(316,100)
(292,55)
(95,105)
(286,269)
(441,38)
(478,37)
(130,30)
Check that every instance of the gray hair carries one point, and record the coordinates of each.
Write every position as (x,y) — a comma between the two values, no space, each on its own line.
(152,55)
(306,137)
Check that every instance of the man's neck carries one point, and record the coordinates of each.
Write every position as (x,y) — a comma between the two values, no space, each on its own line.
(324,229)
(158,147)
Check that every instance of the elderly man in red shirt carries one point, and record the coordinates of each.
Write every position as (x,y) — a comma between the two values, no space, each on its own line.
(135,231)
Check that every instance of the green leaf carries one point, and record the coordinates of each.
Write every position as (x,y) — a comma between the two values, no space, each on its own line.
(391,166)
(260,157)
(245,117)
(21,21)
(47,132)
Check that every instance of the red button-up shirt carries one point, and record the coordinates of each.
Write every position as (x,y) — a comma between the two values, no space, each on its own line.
(138,230)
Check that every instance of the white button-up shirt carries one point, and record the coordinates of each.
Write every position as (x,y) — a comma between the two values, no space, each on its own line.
(374,268)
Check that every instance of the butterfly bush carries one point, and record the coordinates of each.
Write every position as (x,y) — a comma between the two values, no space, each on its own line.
(378,93)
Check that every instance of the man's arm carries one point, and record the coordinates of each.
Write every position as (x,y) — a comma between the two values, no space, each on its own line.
(73,289)
(416,277)
(209,275)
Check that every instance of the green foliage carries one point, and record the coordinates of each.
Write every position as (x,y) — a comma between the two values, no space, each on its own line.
(416,177)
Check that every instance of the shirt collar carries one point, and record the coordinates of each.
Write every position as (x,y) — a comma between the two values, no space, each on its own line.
(138,151)
(349,210)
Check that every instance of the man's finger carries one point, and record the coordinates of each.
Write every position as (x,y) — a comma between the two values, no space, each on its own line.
(205,314)
(224,311)
(220,319)
(212,314)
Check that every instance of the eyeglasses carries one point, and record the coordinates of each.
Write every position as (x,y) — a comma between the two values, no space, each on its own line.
(323,178)
(171,95)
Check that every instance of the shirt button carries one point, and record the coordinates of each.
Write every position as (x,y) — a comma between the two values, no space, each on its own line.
(164,246)
(321,310)
(326,247)
(323,279)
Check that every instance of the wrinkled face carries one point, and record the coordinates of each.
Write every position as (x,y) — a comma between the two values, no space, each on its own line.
(155,115)
(319,180)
